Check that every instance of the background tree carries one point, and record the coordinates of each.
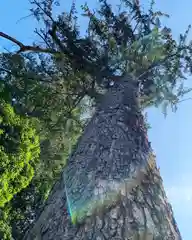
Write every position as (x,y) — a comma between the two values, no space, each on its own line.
(19,153)
(29,91)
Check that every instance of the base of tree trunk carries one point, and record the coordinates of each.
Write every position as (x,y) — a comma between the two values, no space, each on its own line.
(143,214)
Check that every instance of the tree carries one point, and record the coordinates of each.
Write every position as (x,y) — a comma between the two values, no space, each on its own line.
(29,91)
(132,42)
(19,152)
(112,158)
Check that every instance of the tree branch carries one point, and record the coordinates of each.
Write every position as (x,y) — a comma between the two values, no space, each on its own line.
(25,48)
(186,99)
(42,36)
(156,64)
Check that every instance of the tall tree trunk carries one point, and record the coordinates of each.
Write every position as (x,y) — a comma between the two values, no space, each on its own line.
(111,188)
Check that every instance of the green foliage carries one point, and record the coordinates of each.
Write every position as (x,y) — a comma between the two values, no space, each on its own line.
(19,152)
(58,126)
(126,41)
(5,230)
(5,226)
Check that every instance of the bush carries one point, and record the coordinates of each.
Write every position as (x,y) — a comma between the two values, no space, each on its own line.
(19,152)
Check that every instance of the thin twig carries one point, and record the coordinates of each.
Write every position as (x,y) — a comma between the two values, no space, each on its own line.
(43,10)
(5,70)
(4,35)
(186,99)
(42,37)
(24,18)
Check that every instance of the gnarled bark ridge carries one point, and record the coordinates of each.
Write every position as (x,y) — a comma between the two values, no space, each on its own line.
(111,188)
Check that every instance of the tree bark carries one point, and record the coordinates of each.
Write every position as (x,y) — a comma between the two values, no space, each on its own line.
(111,188)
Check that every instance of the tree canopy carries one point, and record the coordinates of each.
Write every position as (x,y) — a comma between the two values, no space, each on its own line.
(129,41)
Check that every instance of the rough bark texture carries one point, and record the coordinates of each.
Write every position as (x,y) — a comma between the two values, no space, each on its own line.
(111,185)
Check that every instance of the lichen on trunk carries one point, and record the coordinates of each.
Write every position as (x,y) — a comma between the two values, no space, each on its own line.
(111,188)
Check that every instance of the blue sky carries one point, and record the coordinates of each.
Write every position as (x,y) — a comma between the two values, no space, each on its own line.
(171,137)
